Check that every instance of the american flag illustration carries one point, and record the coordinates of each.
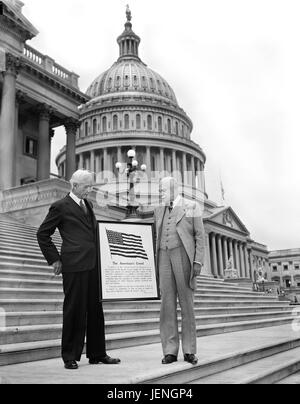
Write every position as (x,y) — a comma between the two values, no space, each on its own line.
(126,245)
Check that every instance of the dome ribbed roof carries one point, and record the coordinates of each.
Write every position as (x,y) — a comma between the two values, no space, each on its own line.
(128,76)
(129,73)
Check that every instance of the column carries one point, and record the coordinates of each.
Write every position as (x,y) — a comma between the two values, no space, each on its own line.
(92,161)
(243,273)
(71,127)
(184,166)
(225,249)
(44,152)
(148,162)
(105,161)
(80,167)
(220,256)
(236,257)
(162,161)
(174,162)
(19,100)
(247,262)
(7,123)
(230,248)
(119,157)
(207,270)
(193,172)
(251,264)
(214,255)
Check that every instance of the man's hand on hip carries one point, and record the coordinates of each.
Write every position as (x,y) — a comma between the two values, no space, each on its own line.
(197,270)
(57,266)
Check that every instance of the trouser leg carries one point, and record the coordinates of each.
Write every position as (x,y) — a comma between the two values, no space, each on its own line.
(168,316)
(74,315)
(182,270)
(95,320)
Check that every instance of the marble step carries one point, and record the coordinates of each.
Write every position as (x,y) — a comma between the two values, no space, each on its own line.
(56,283)
(23,235)
(23,305)
(31,284)
(267,370)
(13,335)
(33,293)
(292,379)
(9,259)
(234,359)
(18,266)
(150,317)
(47,349)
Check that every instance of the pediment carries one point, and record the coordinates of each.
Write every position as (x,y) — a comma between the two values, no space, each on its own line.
(228,218)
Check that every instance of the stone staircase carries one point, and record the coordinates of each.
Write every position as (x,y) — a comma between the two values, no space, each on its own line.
(31,305)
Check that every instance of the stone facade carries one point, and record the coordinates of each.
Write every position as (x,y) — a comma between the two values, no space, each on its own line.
(284,267)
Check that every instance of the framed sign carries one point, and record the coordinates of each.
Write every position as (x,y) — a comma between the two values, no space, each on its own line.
(127,262)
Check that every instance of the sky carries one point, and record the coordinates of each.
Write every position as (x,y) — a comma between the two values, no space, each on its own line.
(234,66)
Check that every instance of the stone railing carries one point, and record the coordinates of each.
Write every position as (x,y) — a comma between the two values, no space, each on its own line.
(49,65)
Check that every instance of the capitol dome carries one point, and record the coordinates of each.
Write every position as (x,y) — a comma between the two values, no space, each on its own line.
(131,76)
(132,106)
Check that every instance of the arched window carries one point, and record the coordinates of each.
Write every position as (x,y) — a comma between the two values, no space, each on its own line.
(160,124)
(104,124)
(138,121)
(115,122)
(149,122)
(126,121)
(94,126)
(169,126)
(177,128)
(86,129)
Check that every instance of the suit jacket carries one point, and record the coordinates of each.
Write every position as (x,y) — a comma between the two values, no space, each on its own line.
(189,226)
(79,236)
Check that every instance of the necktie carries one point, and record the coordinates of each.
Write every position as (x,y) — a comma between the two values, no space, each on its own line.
(83,206)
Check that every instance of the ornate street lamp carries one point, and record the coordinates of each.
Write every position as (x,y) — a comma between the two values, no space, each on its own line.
(132,168)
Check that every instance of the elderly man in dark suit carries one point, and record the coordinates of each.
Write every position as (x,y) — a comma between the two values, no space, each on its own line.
(83,315)
(180,258)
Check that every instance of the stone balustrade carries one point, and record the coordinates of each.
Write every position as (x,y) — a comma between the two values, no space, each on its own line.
(48,64)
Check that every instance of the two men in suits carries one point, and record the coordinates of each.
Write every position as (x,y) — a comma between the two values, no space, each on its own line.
(83,314)
(180,258)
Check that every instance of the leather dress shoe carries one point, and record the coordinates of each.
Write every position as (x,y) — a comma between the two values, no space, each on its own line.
(71,365)
(107,360)
(168,359)
(191,358)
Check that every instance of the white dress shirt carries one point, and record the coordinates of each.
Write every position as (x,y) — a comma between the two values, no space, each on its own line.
(76,199)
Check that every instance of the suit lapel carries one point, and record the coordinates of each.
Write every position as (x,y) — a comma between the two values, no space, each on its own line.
(78,211)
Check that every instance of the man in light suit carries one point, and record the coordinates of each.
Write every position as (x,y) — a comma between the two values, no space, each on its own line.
(83,315)
(180,257)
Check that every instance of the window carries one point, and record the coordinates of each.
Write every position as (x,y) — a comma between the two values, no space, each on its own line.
(94,126)
(177,128)
(169,126)
(160,124)
(149,122)
(104,124)
(115,122)
(275,268)
(297,267)
(31,146)
(285,267)
(138,121)
(86,129)
(126,119)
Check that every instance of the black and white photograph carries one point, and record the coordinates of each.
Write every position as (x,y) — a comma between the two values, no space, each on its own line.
(149,188)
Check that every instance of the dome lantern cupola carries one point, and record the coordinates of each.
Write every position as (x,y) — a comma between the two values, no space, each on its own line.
(129,42)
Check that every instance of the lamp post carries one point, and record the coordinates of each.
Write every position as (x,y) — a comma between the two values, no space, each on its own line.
(132,167)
